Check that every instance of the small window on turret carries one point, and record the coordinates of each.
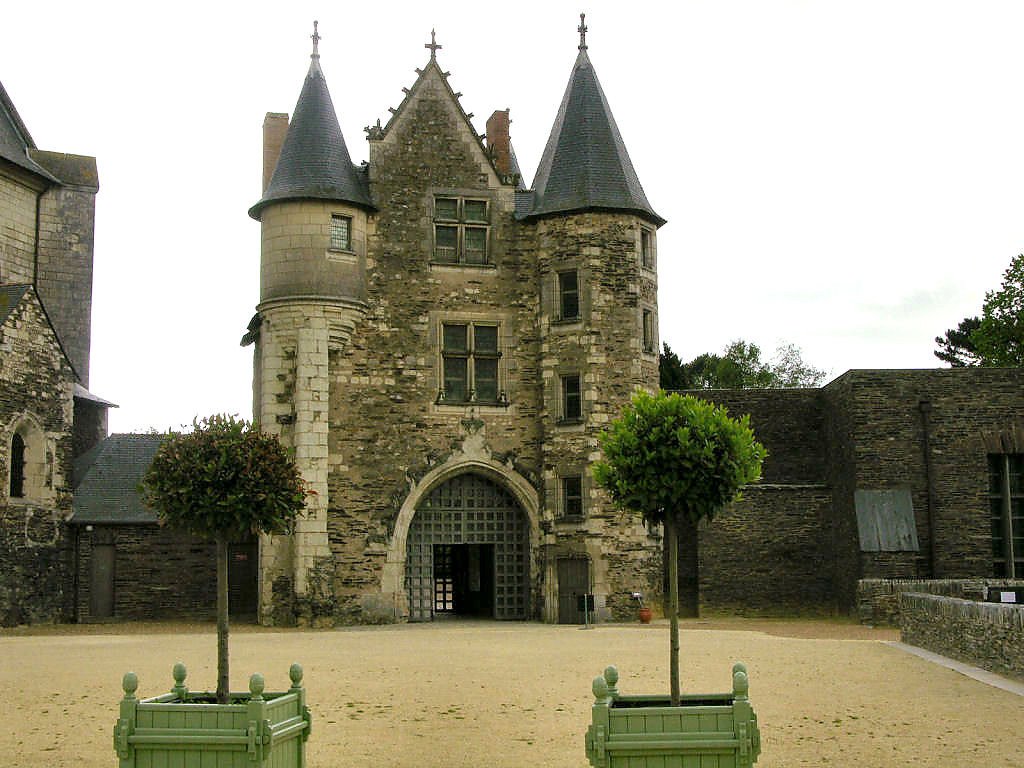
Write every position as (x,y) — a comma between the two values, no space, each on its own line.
(341,233)
(646,249)
(461,231)
(568,295)
(648,330)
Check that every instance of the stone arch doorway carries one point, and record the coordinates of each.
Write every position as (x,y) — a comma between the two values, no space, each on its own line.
(468,552)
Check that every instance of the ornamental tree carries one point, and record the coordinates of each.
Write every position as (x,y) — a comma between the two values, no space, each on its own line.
(674,457)
(222,481)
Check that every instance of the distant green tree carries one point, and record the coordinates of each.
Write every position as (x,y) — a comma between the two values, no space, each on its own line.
(738,367)
(957,347)
(223,480)
(999,338)
(672,457)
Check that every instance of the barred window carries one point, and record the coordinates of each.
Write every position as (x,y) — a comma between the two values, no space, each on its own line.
(461,231)
(341,232)
(469,362)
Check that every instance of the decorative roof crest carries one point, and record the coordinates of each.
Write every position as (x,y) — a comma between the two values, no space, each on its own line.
(433,46)
(582,29)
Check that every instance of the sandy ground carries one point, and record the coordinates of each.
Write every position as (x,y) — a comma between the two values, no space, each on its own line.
(493,694)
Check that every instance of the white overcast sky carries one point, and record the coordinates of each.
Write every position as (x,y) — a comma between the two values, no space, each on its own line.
(844,176)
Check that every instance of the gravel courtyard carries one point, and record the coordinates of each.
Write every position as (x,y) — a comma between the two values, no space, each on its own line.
(458,694)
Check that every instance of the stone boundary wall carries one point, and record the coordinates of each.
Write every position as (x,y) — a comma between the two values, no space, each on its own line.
(987,635)
(878,599)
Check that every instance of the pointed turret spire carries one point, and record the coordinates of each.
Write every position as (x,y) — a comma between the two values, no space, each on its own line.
(314,160)
(585,164)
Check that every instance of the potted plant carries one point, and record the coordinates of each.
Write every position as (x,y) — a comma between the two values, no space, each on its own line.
(644,612)
(671,457)
(221,480)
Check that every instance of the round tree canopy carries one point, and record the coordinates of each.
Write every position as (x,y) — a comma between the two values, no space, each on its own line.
(224,478)
(673,454)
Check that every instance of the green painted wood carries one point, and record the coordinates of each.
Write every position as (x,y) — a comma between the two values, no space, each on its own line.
(705,731)
(256,730)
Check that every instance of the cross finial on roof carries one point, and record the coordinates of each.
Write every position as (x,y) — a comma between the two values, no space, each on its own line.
(315,37)
(582,29)
(433,46)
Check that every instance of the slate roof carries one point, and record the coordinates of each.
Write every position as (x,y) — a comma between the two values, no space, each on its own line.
(107,477)
(314,161)
(10,296)
(15,140)
(585,165)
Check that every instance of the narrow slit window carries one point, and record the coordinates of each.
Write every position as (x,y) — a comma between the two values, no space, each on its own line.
(572,400)
(569,295)
(572,497)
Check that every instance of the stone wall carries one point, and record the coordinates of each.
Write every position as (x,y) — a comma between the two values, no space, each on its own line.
(987,635)
(878,600)
(66,235)
(18,236)
(763,555)
(158,573)
(36,401)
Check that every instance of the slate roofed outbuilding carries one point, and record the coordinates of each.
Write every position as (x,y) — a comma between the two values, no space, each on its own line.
(107,477)
(314,161)
(585,165)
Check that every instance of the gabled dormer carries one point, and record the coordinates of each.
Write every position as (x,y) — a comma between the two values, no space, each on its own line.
(418,114)
(585,165)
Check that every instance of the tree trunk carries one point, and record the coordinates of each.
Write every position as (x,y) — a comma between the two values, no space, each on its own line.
(222,620)
(672,539)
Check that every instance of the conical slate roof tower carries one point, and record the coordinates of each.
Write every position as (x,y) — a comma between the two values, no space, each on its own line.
(314,161)
(585,165)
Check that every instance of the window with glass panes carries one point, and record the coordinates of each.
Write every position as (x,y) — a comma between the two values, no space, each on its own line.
(568,295)
(460,231)
(1006,505)
(469,358)
(648,330)
(341,232)
(646,249)
(572,496)
(572,400)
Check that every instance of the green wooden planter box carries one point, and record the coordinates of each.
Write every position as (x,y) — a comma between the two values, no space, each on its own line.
(183,729)
(704,731)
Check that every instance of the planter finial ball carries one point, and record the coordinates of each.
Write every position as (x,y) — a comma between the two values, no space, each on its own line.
(179,673)
(256,686)
(295,673)
(600,688)
(740,682)
(611,676)
(130,683)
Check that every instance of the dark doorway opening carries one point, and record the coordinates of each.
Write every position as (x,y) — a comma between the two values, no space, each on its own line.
(464,580)
(243,572)
(573,583)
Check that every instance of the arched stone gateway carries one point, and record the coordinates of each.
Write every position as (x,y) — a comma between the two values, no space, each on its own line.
(468,552)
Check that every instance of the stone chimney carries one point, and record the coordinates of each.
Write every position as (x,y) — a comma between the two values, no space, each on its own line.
(275,127)
(498,141)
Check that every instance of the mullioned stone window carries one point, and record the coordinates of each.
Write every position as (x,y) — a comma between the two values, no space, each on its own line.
(461,227)
(469,361)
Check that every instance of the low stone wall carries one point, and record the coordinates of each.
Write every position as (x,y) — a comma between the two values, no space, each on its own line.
(987,635)
(878,599)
